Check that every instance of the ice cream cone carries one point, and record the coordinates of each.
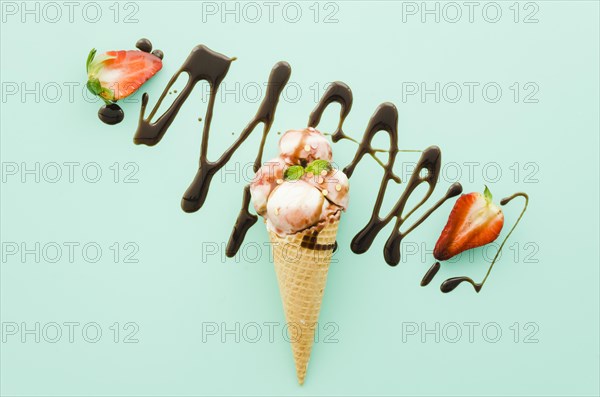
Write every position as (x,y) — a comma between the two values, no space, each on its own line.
(301,264)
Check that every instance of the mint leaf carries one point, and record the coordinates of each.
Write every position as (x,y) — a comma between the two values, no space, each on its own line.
(293,173)
(487,194)
(94,86)
(317,166)
(90,58)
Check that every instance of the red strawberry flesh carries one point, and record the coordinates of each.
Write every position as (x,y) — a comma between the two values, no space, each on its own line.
(474,221)
(115,75)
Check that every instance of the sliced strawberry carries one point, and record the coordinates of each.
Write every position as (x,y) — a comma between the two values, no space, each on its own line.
(115,75)
(474,221)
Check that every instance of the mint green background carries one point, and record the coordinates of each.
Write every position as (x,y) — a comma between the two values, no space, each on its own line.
(170,292)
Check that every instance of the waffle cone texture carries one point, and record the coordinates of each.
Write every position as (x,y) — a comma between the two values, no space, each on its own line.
(301,264)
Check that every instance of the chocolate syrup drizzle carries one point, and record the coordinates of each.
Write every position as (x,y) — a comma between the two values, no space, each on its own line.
(430,274)
(339,92)
(451,283)
(205,64)
(111,114)
(385,119)
(336,92)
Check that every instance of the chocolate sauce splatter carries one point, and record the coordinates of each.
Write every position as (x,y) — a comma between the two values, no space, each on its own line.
(451,283)
(201,64)
(159,54)
(336,92)
(144,45)
(430,274)
(385,119)
(243,223)
(280,74)
(111,114)
(208,65)
(339,92)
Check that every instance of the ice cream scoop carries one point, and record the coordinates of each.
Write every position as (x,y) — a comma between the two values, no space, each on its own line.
(294,206)
(300,147)
(299,189)
(333,184)
(264,182)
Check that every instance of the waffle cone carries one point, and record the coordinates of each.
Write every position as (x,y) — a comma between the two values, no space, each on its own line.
(301,264)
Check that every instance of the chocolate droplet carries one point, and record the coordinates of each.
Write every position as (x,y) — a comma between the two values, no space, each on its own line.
(144,45)
(430,274)
(158,53)
(111,114)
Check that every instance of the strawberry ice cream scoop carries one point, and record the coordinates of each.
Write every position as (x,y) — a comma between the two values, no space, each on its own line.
(333,184)
(264,182)
(294,206)
(299,189)
(300,147)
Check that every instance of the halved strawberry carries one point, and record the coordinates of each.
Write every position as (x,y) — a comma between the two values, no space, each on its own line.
(115,75)
(474,221)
